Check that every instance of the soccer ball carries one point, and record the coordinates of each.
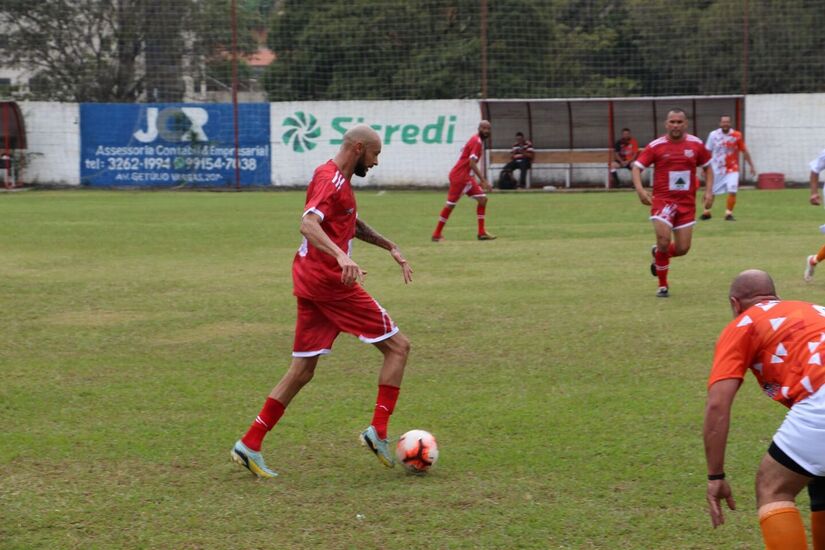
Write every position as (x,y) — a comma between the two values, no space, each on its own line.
(417,451)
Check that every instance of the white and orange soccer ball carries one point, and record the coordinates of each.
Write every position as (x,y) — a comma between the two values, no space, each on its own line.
(417,451)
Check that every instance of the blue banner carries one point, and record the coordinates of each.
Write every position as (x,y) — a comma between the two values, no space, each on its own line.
(173,145)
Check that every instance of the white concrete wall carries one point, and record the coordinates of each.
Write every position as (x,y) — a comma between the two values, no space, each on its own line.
(53,135)
(784,132)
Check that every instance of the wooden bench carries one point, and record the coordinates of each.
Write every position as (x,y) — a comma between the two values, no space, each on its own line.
(568,157)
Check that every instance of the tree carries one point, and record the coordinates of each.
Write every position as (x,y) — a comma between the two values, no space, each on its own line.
(119,50)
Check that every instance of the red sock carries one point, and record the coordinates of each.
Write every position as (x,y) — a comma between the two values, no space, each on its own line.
(442,219)
(266,420)
(671,250)
(663,265)
(480,210)
(384,405)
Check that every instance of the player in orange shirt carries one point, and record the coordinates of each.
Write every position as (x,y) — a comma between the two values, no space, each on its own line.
(783,344)
(725,144)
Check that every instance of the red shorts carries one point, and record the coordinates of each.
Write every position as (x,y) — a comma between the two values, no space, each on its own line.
(319,323)
(469,187)
(677,215)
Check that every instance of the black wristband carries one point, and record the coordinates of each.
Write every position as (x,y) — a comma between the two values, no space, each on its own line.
(715,477)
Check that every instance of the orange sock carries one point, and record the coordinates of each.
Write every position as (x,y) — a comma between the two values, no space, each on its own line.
(818,529)
(731,202)
(821,254)
(782,528)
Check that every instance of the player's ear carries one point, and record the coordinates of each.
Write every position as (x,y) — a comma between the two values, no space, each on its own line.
(735,306)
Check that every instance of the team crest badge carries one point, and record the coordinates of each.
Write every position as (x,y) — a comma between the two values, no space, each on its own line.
(689,153)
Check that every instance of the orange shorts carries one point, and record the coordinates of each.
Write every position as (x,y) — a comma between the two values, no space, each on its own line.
(319,323)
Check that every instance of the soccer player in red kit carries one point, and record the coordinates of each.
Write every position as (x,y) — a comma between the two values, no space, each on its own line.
(462,183)
(326,283)
(676,155)
(783,344)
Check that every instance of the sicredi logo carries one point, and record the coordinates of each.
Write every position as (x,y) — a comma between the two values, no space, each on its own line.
(303,132)
(174,124)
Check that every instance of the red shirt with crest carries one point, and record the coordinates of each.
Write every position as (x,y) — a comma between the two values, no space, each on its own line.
(315,274)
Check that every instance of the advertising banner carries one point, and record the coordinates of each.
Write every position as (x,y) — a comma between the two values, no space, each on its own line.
(421,140)
(173,144)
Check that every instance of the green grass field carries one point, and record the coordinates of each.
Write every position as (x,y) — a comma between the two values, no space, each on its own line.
(141,331)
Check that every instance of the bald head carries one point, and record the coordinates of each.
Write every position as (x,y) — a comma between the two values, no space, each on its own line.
(361,133)
(359,151)
(751,287)
(484,128)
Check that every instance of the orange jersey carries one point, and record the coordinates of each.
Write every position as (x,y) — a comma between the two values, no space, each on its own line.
(725,149)
(782,343)
(627,150)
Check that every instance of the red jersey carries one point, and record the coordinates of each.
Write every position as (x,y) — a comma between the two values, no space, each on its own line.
(316,275)
(725,149)
(472,150)
(676,162)
(782,343)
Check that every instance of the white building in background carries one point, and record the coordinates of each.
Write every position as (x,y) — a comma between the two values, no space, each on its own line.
(14,83)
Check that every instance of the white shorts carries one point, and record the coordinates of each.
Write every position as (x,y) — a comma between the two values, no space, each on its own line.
(818,164)
(725,183)
(802,434)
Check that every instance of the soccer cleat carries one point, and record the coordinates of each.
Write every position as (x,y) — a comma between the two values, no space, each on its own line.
(705,216)
(653,263)
(380,447)
(729,218)
(437,238)
(486,237)
(662,292)
(251,460)
(810,265)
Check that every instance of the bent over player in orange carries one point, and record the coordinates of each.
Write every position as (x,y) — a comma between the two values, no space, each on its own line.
(676,155)
(326,283)
(783,344)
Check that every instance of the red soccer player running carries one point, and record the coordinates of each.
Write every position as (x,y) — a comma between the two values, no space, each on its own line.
(331,300)
(462,182)
(673,204)
(783,344)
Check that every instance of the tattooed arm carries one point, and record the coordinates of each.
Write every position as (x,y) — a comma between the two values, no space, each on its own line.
(367,234)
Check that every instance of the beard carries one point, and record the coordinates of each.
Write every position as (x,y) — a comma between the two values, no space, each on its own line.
(360,169)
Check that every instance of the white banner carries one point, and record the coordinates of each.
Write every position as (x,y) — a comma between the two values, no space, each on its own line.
(421,139)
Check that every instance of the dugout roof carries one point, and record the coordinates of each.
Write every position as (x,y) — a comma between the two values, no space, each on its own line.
(596,123)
